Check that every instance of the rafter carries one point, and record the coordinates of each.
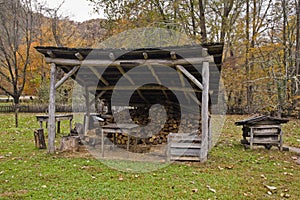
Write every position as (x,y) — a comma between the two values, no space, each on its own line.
(68,75)
(132,82)
(189,76)
(157,80)
(99,76)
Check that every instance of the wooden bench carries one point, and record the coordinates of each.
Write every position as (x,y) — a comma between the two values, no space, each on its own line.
(58,119)
(183,147)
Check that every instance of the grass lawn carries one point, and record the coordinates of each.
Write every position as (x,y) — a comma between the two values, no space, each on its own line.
(230,173)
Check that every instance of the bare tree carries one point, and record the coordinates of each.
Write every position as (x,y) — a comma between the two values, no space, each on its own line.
(297,48)
(16,29)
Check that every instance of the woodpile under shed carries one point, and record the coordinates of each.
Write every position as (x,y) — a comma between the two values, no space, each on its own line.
(184,78)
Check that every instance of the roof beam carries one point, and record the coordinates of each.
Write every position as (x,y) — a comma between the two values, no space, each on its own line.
(107,62)
(144,87)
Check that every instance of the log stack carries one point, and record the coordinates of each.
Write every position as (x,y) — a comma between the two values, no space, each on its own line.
(157,133)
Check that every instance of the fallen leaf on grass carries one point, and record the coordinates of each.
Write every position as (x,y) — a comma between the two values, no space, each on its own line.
(263,176)
(286,195)
(270,187)
(211,189)
(294,157)
(287,173)
(229,167)
(121,178)
(85,167)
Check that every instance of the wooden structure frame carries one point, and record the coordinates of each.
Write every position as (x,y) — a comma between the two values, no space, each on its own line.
(118,62)
(262,130)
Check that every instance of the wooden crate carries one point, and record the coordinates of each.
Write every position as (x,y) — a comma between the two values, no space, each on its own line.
(266,135)
(262,130)
(183,147)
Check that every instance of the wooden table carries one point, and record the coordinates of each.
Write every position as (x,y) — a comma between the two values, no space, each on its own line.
(117,128)
(58,119)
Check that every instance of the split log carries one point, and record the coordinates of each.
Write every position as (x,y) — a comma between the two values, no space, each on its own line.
(69,143)
(39,139)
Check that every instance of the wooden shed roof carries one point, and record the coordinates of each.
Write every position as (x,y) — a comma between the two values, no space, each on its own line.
(259,119)
(107,66)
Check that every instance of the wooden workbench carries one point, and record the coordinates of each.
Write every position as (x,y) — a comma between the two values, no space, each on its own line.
(128,129)
(58,119)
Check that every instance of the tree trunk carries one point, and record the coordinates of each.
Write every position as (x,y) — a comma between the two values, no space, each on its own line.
(224,26)
(249,91)
(202,22)
(296,85)
(17,108)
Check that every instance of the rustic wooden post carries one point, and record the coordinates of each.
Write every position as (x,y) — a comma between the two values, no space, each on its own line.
(87,116)
(280,139)
(251,138)
(39,139)
(210,139)
(51,120)
(102,142)
(204,113)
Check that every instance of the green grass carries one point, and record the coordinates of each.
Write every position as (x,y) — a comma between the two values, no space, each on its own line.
(230,173)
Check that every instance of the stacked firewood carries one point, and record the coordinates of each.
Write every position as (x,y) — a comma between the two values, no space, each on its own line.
(155,129)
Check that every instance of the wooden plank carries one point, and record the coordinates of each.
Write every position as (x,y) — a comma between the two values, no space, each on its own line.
(51,121)
(185,140)
(266,126)
(258,132)
(99,76)
(190,76)
(186,145)
(185,152)
(204,113)
(68,75)
(184,158)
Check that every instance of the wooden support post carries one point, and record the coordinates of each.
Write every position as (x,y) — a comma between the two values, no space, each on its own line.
(58,126)
(39,139)
(87,116)
(102,142)
(280,140)
(204,113)
(51,120)
(210,139)
(251,138)
(71,125)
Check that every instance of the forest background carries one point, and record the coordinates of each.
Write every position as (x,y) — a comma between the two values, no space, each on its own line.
(261,57)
